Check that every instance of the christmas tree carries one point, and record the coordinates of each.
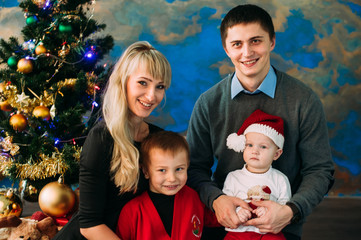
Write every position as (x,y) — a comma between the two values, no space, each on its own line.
(49,90)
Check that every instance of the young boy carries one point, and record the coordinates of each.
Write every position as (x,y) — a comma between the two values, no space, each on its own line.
(261,140)
(169,209)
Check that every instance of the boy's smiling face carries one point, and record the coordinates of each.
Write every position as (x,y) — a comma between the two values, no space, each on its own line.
(167,171)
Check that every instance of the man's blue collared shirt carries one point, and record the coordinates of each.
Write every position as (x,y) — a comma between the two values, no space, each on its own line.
(268,86)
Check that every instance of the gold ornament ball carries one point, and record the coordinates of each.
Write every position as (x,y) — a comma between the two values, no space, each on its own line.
(28,191)
(40,49)
(42,112)
(56,199)
(5,106)
(10,204)
(18,122)
(25,66)
(2,86)
(40,3)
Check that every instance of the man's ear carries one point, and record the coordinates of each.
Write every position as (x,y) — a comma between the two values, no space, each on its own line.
(225,50)
(277,154)
(273,43)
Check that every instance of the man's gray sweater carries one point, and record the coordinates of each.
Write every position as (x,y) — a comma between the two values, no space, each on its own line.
(306,158)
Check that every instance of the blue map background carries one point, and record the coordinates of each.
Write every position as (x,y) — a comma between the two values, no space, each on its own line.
(318,42)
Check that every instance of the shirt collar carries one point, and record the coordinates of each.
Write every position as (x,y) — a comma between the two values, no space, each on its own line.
(268,86)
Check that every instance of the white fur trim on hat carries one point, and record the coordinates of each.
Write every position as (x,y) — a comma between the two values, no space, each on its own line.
(236,142)
(277,138)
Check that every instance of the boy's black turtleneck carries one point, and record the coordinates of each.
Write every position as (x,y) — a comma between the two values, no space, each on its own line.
(164,205)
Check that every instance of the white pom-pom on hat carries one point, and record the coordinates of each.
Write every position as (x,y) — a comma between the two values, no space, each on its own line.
(236,142)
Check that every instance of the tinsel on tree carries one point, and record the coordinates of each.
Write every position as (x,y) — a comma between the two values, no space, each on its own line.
(49,90)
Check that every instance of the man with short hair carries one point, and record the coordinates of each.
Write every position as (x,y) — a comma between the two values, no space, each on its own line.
(248,38)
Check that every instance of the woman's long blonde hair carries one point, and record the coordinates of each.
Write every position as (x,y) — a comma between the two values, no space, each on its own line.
(124,166)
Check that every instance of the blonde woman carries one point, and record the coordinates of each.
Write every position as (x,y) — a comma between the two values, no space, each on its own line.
(109,165)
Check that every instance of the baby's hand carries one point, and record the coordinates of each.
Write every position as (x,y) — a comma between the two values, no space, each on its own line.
(260,211)
(243,214)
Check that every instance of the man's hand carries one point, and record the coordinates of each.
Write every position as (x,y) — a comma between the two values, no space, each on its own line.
(225,209)
(275,219)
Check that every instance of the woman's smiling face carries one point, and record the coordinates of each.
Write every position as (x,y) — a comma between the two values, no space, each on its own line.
(144,93)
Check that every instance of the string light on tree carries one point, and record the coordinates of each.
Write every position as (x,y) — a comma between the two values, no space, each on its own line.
(89,55)
(47,4)
(29,45)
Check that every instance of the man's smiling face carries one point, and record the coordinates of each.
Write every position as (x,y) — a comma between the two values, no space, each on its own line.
(249,47)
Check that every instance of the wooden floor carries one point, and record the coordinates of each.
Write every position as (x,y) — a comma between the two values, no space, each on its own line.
(336,218)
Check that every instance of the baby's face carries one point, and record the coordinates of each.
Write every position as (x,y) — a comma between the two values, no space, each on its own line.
(260,152)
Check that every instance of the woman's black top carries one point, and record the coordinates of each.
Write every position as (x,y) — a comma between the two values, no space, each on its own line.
(100,201)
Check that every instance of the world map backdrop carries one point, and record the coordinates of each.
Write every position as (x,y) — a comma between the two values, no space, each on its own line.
(318,42)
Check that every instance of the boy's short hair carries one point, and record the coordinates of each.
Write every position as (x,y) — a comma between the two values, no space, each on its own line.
(247,13)
(164,140)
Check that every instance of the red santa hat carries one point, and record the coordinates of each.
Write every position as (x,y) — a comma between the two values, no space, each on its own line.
(258,122)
